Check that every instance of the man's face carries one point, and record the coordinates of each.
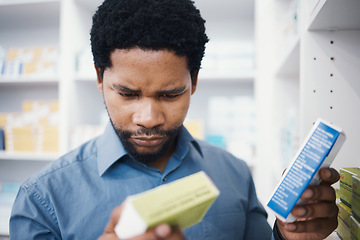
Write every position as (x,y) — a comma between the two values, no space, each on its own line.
(147,95)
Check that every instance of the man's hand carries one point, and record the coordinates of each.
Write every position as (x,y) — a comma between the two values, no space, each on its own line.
(162,231)
(318,217)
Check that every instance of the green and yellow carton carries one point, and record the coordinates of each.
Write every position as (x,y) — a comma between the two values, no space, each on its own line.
(344,213)
(346,175)
(183,203)
(355,204)
(343,230)
(355,229)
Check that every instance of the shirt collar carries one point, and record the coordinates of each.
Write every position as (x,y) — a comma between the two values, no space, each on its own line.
(110,148)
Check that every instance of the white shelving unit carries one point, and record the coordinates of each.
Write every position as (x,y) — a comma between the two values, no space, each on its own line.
(66,24)
(330,86)
(26,24)
(276,90)
(316,78)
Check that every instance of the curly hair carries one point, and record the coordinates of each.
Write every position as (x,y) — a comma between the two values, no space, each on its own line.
(174,25)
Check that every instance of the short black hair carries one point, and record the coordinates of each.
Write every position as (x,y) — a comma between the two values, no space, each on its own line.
(174,25)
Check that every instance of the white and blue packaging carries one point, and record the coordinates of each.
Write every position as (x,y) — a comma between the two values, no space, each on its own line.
(318,151)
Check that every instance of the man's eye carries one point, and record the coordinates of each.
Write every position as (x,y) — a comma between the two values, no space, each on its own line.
(170,96)
(128,95)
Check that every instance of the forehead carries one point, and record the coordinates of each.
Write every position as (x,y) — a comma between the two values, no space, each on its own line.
(147,67)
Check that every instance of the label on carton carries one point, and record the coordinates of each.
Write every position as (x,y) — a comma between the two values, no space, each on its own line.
(314,153)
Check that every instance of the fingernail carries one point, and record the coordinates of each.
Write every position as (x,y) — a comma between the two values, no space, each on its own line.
(162,230)
(327,174)
(290,227)
(300,212)
(308,193)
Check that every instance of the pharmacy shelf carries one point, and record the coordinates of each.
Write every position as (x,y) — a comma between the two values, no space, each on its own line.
(23,2)
(225,78)
(29,80)
(92,5)
(203,78)
(290,60)
(32,13)
(334,15)
(28,156)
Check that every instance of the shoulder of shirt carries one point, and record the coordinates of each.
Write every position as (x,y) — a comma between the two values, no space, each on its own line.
(211,150)
(217,159)
(76,156)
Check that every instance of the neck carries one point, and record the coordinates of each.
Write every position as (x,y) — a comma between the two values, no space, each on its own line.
(162,161)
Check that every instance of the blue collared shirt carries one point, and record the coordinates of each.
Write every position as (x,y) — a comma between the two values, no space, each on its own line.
(74,196)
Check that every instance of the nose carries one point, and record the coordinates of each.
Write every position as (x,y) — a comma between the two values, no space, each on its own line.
(149,114)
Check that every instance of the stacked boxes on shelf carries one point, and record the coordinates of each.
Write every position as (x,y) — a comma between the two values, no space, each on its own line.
(28,62)
(355,205)
(36,129)
(83,133)
(346,175)
(344,221)
(349,205)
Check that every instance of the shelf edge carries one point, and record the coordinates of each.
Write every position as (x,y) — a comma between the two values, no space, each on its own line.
(28,156)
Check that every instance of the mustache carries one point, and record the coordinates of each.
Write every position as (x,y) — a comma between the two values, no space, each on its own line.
(148,132)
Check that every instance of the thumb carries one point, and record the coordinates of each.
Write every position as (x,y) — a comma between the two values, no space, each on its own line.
(115,216)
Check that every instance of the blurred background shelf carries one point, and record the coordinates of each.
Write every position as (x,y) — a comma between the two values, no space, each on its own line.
(334,15)
(28,156)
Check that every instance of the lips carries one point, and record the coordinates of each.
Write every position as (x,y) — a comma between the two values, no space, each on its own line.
(148,141)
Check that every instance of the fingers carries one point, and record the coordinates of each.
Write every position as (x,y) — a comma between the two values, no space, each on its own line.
(317,217)
(319,193)
(315,210)
(318,225)
(162,232)
(329,175)
(115,216)
(320,203)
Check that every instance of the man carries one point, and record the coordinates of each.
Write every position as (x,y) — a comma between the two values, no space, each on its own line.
(147,55)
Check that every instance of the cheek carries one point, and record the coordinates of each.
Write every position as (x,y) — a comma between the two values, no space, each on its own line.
(177,113)
(118,111)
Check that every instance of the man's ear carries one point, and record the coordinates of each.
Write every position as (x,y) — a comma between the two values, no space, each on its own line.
(99,79)
(194,81)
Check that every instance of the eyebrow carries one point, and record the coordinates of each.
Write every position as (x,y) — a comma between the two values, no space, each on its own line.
(174,91)
(170,91)
(124,89)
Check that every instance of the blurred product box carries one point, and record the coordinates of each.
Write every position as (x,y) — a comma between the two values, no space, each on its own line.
(355,229)
(8,192)
(32,139)
(344,213)
(83,133)
(49,139)
(2,139)
(19,139)
(343,230)
(195,127)
(36,129)
(355,204)
(34,61)
(346,175)
(8,118)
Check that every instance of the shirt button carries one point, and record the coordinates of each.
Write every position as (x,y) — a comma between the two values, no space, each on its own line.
(164,179)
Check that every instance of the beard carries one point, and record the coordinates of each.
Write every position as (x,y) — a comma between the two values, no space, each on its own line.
(146,157)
